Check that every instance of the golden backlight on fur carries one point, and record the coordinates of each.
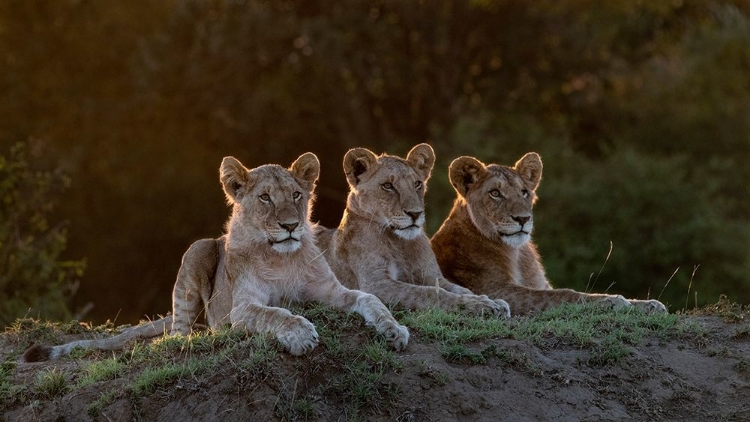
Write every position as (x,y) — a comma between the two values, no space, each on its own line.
(270,204)
(266,259)
(396,185)
(485,243)
(380,246)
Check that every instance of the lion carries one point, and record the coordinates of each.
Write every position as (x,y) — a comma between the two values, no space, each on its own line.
(380,246)
(485,242)
(266,258)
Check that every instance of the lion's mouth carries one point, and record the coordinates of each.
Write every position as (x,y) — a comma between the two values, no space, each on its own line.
(409,232)
(414,226)
(288,239)
(520,232)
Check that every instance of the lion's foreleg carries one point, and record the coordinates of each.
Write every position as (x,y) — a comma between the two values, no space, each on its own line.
(451,287)
(523,300)
(375,314)
(412,296)
(295,333)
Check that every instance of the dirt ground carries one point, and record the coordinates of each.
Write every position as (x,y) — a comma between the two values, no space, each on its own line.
(704,378)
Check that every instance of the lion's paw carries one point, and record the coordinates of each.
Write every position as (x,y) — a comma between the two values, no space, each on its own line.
(395,334)
(505,308)
(482,304)
(298,336)
(651,306)
(614,302)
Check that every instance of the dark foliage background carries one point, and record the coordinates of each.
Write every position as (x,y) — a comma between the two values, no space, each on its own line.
(641,111)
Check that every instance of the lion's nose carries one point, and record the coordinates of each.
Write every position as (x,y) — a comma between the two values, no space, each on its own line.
(289,226)
(413,214)
(521,220)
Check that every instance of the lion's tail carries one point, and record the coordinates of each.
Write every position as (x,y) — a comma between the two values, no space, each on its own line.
(39,353)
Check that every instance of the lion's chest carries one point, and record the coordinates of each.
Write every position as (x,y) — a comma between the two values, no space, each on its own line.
(393,270)
(271,285)
(402,269)
(281,286)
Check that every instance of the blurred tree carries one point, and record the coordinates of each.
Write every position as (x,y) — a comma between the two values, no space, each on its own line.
(657,217)
(34,281)
(139,101)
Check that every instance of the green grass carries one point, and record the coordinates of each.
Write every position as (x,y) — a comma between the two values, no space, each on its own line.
(256,357)
(197,342)
(153,365)
(361,384)
(590,324)
(441,326)
(8,390)
(100,371)
(171,358)
(153,378)
(359,368)
(378,354)
(51,383)
(606,333)
(295,409)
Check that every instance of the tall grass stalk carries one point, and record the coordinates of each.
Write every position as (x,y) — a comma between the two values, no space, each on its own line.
(611,245)
(667,283)
(687,297)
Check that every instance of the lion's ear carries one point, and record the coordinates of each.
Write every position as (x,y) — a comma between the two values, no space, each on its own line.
(530,169)
(464,172)
(234,178)
(422,158)
(306,170)
(357,161)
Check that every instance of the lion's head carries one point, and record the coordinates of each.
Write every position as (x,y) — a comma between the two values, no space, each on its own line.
(499,198)
(271,203)
(388,189)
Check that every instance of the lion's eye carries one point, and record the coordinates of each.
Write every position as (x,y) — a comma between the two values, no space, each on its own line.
(265,198)
(525,193)
(418,185)
(495,193)
(387,186)
(296,195)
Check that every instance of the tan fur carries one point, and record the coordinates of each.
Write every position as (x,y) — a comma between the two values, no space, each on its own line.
(380,246)
(485,243)
(267,258)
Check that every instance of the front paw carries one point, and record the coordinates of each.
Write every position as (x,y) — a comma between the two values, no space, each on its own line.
(505,308)
(482,304)
(395,334)
(614,302)
(297,335)
(651,306)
